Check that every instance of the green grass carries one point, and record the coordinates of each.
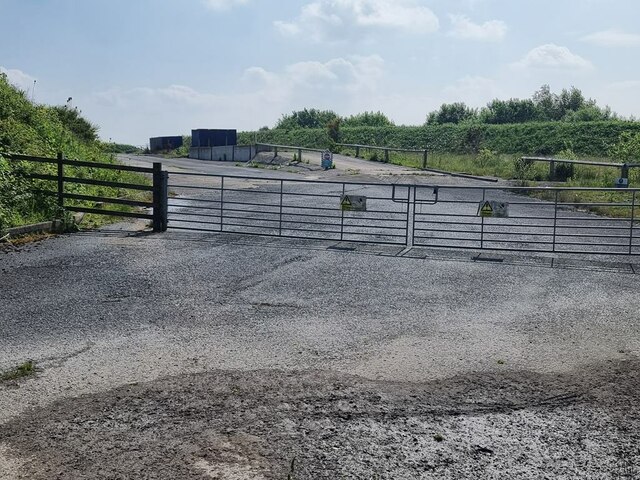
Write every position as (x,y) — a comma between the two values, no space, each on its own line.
(42,130)
(23,370)
(532,174)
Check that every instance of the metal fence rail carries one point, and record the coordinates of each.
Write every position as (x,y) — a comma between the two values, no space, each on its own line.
(538,219)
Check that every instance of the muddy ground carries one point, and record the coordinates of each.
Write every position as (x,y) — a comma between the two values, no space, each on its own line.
(322,425)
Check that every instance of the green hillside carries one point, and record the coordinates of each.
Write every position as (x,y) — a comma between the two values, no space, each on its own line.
(42,130)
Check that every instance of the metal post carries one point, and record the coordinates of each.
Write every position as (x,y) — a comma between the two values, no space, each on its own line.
(413,222)
(160,200)
(484,195)
(555,221)
(60,181)
(357,152)
(386,155)
(424,159)
(300,155)
(410,210)
(281,194)
(625,171)
(552,170)
(222,204)
(633,217)
(342,214)
(275,152)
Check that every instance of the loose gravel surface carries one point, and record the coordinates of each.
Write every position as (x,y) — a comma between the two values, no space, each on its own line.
(184,355)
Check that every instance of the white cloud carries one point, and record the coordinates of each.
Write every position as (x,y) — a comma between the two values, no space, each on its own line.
(18,78)
(613,38)
(262,96)
(224,4)
(463,27)
(553,56)
(322,19)
(473,90)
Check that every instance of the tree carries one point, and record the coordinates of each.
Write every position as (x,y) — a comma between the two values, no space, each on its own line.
(368,119)
(589,113)
(509,111)
(333,129)
(452,113)
(307,118)
(547,104)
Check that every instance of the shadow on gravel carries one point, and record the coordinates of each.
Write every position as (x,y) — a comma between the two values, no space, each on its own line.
(627,265)
(315,425)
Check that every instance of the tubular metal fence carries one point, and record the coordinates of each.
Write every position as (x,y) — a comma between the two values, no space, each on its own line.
(570,220)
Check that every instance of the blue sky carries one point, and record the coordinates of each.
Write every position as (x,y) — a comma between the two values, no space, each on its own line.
(142,68)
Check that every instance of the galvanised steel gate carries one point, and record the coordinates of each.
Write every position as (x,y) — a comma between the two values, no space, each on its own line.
(570,220)
(288,208)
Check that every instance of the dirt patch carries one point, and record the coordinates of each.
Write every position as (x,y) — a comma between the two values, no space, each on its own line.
(312,425)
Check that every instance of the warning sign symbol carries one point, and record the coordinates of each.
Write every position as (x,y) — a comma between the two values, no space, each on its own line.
(485,210)
(353,203)
(493,209)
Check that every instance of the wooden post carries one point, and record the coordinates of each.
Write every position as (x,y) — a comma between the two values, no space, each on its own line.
(300,155)
(386,155)
(357,152)
(424,159)
(552,170)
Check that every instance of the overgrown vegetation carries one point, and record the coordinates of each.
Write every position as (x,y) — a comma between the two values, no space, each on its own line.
(41,130)
(591,139)
(110,147)
(544,106)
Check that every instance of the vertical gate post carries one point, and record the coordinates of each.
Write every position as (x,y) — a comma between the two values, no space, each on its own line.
(424,159)
(60,181)
(342,213)
(160,198)
(357,152)
(633,219)
(411,215)
(386,155)
(624,173)
(552,170)
(281,205)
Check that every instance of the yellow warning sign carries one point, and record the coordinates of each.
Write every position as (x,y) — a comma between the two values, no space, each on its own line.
(493,209)
(353,203)
(485,210)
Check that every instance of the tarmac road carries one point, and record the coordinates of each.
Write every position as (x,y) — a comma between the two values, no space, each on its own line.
(186,355)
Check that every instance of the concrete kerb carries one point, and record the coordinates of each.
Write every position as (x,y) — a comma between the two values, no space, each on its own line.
(54,226)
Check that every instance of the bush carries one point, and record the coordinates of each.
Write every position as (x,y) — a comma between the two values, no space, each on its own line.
(540,138)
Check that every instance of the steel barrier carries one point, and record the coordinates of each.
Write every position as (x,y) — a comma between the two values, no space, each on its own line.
(571,220)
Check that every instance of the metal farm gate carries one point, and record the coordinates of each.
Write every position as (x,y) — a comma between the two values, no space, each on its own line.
(526,219)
